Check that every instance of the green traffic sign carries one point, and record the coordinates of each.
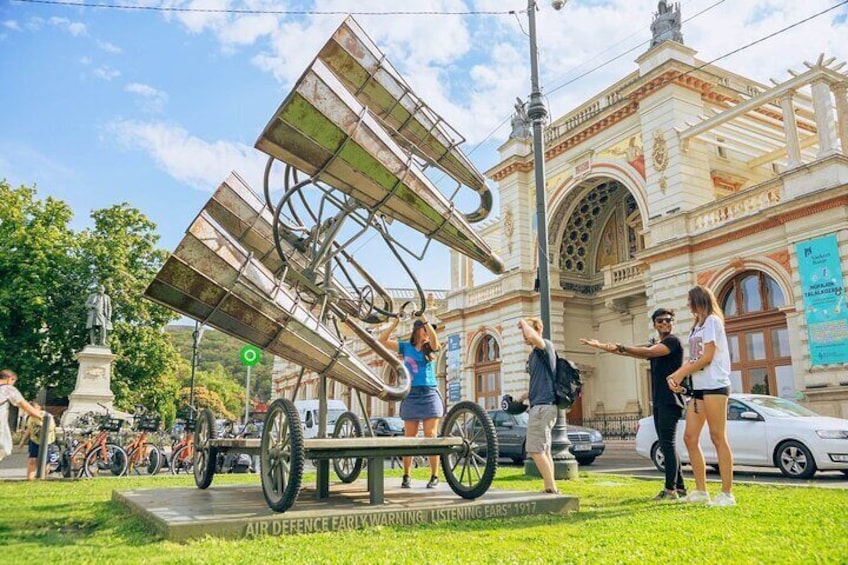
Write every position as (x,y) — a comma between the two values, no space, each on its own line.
(250,355)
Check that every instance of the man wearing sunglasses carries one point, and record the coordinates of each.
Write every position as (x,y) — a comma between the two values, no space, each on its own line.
(666,356)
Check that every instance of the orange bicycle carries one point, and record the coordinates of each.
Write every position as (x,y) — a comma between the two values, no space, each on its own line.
(182,456)
(144,457)
(103,455)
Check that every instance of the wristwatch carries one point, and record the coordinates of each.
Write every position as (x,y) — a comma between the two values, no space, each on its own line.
(620,348)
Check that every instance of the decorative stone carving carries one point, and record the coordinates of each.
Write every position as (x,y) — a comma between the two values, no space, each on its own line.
(619,305)
(659,156)
(781,258)
(508,227)
(737,263)
(704,277)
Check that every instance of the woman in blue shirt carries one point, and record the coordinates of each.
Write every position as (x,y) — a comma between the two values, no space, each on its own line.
(424,404)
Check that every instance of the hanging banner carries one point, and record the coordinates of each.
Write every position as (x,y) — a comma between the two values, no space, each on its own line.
(824,299)
(454,366)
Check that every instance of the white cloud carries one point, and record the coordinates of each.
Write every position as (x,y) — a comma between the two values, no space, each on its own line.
(109,47)
(12,24)
(34,24)
(189,159)
(150,99)
(74,28)
(106,73)
(471,69)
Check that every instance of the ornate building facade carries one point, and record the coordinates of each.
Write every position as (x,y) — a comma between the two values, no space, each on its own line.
(679,174)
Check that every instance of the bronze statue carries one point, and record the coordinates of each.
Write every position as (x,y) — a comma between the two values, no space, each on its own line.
(99,319)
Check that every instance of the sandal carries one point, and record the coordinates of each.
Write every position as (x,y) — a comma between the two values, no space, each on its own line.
(549,491)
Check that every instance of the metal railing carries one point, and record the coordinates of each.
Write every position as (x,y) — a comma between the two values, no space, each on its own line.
(613,427)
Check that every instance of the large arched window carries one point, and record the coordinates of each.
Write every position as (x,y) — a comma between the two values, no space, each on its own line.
(757,335)
(487,373)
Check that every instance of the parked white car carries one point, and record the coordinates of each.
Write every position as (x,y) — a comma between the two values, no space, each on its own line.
(765,431)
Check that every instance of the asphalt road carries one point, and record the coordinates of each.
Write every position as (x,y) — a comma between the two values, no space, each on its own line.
(623,460)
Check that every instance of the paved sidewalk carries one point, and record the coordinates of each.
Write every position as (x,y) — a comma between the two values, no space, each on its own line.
(14,466)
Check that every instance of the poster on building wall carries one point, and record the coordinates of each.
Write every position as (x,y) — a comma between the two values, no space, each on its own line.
(823,288)
(454,364)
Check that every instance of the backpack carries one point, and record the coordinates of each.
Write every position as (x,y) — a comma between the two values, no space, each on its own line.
(567,383)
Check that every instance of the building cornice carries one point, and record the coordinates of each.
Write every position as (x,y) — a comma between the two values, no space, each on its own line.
(721,235)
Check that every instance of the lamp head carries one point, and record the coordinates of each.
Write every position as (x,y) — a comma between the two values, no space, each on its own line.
(558,4)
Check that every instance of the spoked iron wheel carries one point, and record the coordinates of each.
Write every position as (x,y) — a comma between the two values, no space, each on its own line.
(281,455)
(470,468)
(348,469)
(204,454)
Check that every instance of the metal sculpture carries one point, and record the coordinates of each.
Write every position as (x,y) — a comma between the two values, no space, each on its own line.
(281,274)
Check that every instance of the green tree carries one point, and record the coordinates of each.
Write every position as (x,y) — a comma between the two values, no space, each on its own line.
(205,398)
(47,270)
(43,285)
(121,254)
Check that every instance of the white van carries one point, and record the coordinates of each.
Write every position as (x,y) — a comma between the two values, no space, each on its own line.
(308,412)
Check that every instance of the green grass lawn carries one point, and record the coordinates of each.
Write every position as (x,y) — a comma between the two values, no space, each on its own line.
(76,522)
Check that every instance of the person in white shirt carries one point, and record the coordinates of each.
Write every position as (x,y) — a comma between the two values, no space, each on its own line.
(709,366)
(11,395)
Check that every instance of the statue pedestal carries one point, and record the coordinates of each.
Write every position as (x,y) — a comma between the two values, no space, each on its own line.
(93,383)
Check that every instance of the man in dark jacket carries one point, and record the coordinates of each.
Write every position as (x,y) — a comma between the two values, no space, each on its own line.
(666,356)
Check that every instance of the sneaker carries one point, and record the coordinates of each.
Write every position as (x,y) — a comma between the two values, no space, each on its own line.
(666,495)
(723,499)
(549,491)
(681,493)
(697,497)
(406,483)
(433,482)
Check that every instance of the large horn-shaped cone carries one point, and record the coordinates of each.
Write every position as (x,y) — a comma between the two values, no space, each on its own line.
(246,218)
(213,279)
(366,72)
(325,132)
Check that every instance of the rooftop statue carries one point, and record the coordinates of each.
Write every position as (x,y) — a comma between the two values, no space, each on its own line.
(667,24)
(520,121)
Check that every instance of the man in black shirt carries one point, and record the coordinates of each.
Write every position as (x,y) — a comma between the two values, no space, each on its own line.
(666,356)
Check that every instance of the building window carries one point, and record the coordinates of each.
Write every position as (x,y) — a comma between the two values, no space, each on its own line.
(757,335)
(487,373)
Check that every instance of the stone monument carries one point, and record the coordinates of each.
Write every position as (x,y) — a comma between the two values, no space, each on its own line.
(95,361)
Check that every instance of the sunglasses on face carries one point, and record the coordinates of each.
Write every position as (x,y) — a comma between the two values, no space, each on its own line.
(664,320)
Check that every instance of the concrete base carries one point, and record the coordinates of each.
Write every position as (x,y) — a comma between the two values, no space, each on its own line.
(564,469)
(180,514)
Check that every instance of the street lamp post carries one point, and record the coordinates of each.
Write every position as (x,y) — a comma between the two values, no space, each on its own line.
(196,335)
(565,467)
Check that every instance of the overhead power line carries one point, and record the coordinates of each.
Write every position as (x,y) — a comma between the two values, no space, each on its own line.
(265,11)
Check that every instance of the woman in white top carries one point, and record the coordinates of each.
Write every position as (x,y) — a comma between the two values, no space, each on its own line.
(709,365)
(10,395)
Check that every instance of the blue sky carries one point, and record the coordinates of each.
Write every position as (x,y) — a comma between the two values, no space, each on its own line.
(101,106)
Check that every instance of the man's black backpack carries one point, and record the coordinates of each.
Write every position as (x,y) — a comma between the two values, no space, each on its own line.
(567,383)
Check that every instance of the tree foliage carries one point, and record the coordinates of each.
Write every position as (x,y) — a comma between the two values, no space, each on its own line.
(48,269)
(217,349)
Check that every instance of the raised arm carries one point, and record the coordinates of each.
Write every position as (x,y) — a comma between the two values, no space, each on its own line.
(385,337)
(431,333)
(531,335)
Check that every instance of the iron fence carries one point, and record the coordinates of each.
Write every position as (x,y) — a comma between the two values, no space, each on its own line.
(613,427)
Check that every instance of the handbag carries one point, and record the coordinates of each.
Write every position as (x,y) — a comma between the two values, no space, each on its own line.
(681,398)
